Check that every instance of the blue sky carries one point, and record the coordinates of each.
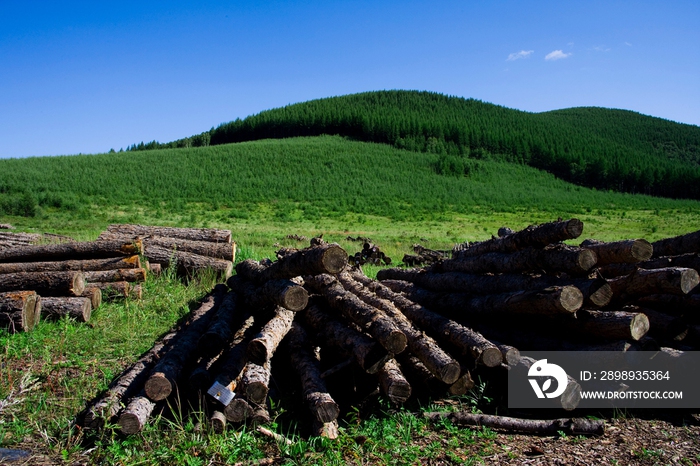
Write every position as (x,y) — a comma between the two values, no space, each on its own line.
(84,77)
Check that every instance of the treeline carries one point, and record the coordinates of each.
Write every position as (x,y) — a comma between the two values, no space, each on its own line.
(602,148)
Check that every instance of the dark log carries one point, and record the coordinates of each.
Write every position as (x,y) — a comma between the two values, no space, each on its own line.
(71,283)
(572,426)
(671,280)
(165,374)
(571,397)
(683,244)
(286,293)
(194,234)
(116,290)
(134,417)
(94,295)
(555,300)
(264,345)
(255,382)
(111,263)
(238,410)
(462,385)
(662,325)
(536,236)
(221,328)
(187,262)
(79,309)
(675,305)
(132,379)
(328,430)
(6,226)
(422,379)
(201,377)
(71,251)
(218,422)
(438,362)
(393,383)
(324,259)
(329,331)
(369,318)
(116,275)
(260,415)
(464,339)
(690,261)
(18,311)
(556,258)
(511,354)
(628,251)
(315,393)
(220,250)
(612,325)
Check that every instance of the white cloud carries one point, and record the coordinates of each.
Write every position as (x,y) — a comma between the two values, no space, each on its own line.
(557,55)
(628,44)
(521,54)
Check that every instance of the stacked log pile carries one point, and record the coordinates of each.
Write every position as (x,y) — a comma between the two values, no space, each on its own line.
(55,280)
(370,254)
(188,249)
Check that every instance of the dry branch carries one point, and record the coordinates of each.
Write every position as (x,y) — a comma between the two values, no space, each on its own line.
(572,426)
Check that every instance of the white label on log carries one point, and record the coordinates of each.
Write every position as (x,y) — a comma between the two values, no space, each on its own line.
(221,393)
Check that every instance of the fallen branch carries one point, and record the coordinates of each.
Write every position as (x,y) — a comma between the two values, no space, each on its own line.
(569,426)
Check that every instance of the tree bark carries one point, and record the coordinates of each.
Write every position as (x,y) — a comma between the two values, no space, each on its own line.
(186,262)
(369,318)
(221,327)
(220,250)
(71,251)
(535,236)
(555,300)
(671,280)
(556,258)
(70,283)
(264,345)
(315,393)
(464,339)
(116,275)
(438,362)
(690,261)
(111,263)
(255,382)
(18,311)
(115,290)
(682,244)
(324,259)
(572,426)
(194,234)
(393,383)
(166,373)
(79,309)
(627,251)
(328,331)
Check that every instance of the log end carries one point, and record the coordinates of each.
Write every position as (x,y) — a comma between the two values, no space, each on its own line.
(325,410)
(130,423)
(334,259)
(295,298)
(78,284)
(600,294)
(238,410)
(462,385)
(586,259)
(574,228)
(571,396)
(399,391)
(395,342)
(639,326)
(689,280)
(218,422)
(375,359)
(491,357)
(450,372)
(158,387)
(256,392)
(642,250)
(570,299)
(511,356)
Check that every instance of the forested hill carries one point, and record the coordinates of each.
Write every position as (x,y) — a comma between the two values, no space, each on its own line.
(603,148)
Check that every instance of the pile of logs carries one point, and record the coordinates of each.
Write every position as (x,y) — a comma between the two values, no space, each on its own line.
(54,280)
(189,250)
(424,256)
(370,254)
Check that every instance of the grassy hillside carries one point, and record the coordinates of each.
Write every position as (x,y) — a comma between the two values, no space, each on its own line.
(597,147)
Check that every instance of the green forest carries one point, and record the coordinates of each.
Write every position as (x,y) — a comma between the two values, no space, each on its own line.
(596,147)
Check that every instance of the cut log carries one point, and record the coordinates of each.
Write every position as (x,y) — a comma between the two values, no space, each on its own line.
(255,382)
(393,383)
(286,293)
(536,236)
(422,379)
(70,283)
(438,362)
(79,309)
(612,325)
(511,354)
(555,300)
(264,345)
(238,410)
(369,318)
(329,331)
(221,328)
(94,295)
(135,416)
(165,374)
(628,251)
(218,422)
(462,385)
(132,379)
(662,326)
(328,430)
(670,280)
(195,234)
(572,426)
(464,339)
(18,311)
(187,262)
(220,250)
(556,258)
(116,275)
(155,269)
(690,261)
(683,244)
(115,290)
(675,305)
(324,259)
(315,393)
(111,263)
(71,251)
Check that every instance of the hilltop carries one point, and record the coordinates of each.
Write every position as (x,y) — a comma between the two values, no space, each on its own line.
(596,147)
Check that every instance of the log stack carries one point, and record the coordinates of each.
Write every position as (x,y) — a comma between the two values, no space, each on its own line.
(189,250)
